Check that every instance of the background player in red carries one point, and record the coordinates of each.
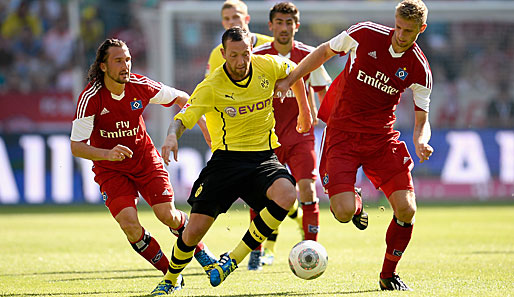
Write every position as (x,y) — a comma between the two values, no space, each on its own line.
(297,149)
(359,108)
(109,115)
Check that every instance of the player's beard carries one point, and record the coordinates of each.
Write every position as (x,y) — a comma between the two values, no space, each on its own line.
(238,73)
(283,39)
(121,79)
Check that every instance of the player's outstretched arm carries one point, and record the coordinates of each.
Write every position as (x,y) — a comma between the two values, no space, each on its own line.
(421,136)
(310,63)
(304,117)
(175,130)
(83,150)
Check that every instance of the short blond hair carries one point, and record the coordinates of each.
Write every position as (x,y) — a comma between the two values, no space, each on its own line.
(414,10)
(237,4)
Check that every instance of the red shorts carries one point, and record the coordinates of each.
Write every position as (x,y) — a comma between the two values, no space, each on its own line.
(300,158)
(120,189)
(382,157)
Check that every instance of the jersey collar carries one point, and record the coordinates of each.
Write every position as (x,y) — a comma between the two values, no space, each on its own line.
(118,97)
(243,83)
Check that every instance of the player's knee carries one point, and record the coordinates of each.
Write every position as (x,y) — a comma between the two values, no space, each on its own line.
(406,214)
(283,193)
(341,213)
(285,201)
(307,195)
(168,215)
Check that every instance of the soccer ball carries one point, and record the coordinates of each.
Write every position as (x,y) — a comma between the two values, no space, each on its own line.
(308,259)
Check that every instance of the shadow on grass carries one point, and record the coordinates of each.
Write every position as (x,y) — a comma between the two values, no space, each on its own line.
(200,272)
(331,293)
(119,293)
(124,293)
(121,277)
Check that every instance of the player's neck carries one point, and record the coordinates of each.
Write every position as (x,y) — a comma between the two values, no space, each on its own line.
(113,86)
(283,49)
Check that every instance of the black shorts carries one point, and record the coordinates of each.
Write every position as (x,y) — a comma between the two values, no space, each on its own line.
(230,175)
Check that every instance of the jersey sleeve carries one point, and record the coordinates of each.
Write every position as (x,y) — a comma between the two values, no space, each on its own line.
(87,108)
(343,43)
(421,96)
(82,128)
(283,66)
(200,102)
(319,78)
(422,84)
(167,95)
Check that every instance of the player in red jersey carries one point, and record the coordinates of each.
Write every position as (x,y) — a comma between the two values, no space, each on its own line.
(297,149)
(109,115)
(359,109)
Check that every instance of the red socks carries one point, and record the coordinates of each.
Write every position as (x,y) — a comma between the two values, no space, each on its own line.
(397,238)
(310,220)
(149,249)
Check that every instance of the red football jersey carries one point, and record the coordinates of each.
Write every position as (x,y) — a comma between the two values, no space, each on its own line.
(108,120)
(364,96)
(286,112)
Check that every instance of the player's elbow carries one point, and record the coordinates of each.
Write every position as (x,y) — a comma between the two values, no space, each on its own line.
(74,146)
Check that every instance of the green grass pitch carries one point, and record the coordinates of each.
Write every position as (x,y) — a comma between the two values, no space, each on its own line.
(456,250)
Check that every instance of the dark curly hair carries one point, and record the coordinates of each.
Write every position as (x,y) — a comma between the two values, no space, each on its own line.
(285,8)
(95,73)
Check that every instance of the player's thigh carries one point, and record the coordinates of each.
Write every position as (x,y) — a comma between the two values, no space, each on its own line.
(155,186)
(217,187)
(118,191)
(302,160)
(390,160)
(269,172)
(339,164)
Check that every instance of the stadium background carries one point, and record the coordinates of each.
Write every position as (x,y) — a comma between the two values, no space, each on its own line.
(44,60)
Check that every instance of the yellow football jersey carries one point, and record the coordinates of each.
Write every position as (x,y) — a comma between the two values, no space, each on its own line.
(216,59)
(239,115)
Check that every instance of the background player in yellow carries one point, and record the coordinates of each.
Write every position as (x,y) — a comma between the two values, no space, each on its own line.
(237,102)
(233,13)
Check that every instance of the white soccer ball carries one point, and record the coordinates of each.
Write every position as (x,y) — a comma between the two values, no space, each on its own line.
(308,259)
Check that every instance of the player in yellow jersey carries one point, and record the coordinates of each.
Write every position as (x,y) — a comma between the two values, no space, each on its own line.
(233,13)
(237,102)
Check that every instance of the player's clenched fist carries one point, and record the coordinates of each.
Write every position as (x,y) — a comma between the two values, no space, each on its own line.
(304,123)
(424,151)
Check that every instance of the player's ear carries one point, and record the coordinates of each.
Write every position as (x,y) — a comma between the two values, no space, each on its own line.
(297,26)
(103,67)
(269,26)
(222,50)
(247,19)
(423,28)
